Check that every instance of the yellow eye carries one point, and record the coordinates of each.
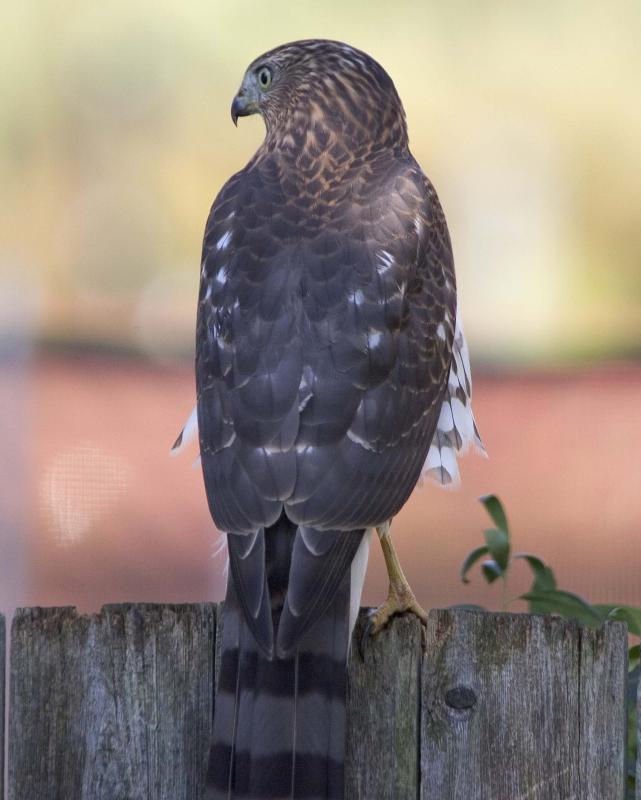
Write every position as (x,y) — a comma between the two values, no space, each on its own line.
(264,77)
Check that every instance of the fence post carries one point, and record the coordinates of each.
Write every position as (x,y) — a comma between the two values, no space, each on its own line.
(517,707)
(2,700)
(499,706)
(639,741)
(381,759)
(113,705)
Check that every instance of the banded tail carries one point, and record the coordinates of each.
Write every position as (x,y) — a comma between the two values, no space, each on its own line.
(279,721)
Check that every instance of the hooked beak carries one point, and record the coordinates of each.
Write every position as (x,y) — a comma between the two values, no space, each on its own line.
(245,103)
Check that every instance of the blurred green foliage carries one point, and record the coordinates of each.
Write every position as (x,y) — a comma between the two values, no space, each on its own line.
(115,137)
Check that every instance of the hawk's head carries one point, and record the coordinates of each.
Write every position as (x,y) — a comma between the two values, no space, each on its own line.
(317,81)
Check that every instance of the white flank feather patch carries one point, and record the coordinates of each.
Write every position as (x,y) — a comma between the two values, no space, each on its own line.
(354,437)
(456,429)
(220,549)
(187,434)
(385,261)
(357,578)
(223,241)
(221,275)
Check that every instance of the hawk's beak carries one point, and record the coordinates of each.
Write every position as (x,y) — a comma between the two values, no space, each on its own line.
(237,109)
(244,104)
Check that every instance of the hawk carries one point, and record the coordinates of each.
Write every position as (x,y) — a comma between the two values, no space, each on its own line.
(331,373)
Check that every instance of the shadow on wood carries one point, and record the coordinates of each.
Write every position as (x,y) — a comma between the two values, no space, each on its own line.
(118,706)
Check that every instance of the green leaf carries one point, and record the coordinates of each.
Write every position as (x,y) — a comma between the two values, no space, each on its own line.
(634,657)
(470,560)
(494,508)
(628,614)
(544,579)
(565,604)
(491,570)
(498,544)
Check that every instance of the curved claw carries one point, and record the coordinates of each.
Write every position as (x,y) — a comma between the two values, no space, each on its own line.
(395,604)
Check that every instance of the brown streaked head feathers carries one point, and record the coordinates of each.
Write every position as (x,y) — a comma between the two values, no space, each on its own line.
(323,86)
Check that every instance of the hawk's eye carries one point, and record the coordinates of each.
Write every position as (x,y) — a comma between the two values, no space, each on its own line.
(264,77)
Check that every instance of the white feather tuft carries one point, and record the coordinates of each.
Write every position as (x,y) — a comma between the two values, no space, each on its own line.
(219,549)
(385,261)
(357,578)
(456,429)
(223,241)
(187,434)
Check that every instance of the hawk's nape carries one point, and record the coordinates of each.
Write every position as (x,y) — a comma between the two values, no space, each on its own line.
(326,382)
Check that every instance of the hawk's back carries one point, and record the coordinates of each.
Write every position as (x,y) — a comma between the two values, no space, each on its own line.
(326,319)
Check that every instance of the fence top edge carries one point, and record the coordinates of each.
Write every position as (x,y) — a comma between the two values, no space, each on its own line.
(448,614)
(44,613)
(435,615)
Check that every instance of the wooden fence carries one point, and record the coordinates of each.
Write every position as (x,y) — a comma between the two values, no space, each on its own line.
(118,706)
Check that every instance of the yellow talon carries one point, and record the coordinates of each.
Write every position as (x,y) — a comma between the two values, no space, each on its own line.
(400,598)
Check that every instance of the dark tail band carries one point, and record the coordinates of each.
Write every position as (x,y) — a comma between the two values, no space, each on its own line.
(279,723)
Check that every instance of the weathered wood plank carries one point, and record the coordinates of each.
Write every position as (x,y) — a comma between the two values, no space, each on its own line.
(603,708)
(638,787)
(118,706)
(220,619)
(518,707)
(383,719)
(111,706)
(2,696)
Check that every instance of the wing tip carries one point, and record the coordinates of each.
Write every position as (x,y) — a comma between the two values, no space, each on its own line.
(186,435)
(177,445)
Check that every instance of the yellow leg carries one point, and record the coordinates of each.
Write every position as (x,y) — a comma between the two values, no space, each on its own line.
(400,598)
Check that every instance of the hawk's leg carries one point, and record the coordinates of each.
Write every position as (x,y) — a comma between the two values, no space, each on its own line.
(400,597)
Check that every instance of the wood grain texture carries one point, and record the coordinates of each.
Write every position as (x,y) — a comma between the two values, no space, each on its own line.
(118,706)
(3,655)
(220,620)
(638,787)
(603,711)
(522,708)
(383,713)
(115,706)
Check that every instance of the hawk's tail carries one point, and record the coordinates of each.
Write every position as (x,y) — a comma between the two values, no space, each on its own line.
(279,724)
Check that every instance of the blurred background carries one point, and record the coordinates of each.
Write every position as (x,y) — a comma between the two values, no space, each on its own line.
(115,137)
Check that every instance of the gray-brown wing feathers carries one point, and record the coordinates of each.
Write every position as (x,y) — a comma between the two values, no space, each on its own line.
(320,372)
